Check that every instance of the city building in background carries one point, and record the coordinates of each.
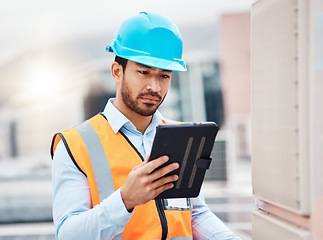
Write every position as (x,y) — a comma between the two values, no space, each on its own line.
(46,90)
(235,78)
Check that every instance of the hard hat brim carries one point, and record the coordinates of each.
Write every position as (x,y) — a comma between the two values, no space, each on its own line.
(177,65)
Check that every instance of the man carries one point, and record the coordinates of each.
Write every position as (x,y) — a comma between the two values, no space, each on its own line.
(104,188)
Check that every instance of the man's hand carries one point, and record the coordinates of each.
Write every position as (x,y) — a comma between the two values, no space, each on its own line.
(144,184)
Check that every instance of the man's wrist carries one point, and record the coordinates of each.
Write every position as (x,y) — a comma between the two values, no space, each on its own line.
(115,210)
(127,205)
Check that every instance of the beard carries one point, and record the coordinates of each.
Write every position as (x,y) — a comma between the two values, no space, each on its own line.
(147,109)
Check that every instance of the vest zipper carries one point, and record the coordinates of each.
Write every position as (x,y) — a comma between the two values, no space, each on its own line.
(158,202)
(162,217)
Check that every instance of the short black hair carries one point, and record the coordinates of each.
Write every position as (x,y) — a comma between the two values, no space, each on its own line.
(122,62)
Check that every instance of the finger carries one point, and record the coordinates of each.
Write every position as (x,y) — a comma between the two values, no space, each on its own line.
(152,165)
(164,188)
(164,181)
(163,171)
(143,163)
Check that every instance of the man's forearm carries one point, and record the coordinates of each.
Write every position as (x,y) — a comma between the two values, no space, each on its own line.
(72,213)
(104,221)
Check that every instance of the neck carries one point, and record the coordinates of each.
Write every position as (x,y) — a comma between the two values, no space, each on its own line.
(140,122)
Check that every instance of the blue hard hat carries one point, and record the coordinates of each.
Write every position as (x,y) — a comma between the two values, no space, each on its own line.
(150,39)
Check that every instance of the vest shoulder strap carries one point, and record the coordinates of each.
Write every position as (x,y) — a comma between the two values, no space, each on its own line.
(85,149)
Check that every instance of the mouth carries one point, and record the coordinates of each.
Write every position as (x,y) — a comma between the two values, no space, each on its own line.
(150,99)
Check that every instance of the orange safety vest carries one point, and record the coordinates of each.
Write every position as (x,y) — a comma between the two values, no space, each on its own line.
(106,159)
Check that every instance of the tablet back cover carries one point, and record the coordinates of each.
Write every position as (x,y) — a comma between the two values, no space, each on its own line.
(190,145)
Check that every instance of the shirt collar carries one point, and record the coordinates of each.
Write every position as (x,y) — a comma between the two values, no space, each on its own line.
(117,120)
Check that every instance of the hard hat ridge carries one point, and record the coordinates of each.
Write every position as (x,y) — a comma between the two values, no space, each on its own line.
(150,39)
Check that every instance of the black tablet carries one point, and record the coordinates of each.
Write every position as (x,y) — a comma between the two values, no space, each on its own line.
(190,145)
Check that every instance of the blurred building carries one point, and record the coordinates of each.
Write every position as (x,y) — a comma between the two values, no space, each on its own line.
(53,88)
(56,87)
(235,76)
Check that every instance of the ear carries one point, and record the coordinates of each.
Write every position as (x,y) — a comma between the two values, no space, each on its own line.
(116,71)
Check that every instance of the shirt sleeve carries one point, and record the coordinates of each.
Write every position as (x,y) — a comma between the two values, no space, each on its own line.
(206,225)
(73,216)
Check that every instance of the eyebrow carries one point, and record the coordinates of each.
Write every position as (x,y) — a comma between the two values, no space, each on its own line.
(145,66)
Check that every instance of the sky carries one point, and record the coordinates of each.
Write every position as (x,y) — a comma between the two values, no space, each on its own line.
(33,23)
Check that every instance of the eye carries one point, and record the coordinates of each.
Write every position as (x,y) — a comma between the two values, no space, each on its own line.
(165,76)
(143,72)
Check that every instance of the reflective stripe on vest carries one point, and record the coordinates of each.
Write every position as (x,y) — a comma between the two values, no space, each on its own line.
(106,159)
(100,166)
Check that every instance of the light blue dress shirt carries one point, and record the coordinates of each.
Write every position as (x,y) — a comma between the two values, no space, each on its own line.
(73,216)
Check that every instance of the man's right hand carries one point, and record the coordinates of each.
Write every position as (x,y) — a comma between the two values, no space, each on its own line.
(144,184)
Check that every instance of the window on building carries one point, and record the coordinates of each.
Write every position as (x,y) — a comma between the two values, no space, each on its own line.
(13,139)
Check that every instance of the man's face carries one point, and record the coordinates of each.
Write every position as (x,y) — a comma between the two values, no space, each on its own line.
(144,88)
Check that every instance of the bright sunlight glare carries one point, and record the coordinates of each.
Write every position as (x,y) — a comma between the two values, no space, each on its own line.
(42,80)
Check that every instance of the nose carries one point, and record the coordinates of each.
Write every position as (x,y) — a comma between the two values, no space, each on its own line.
(153,84)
